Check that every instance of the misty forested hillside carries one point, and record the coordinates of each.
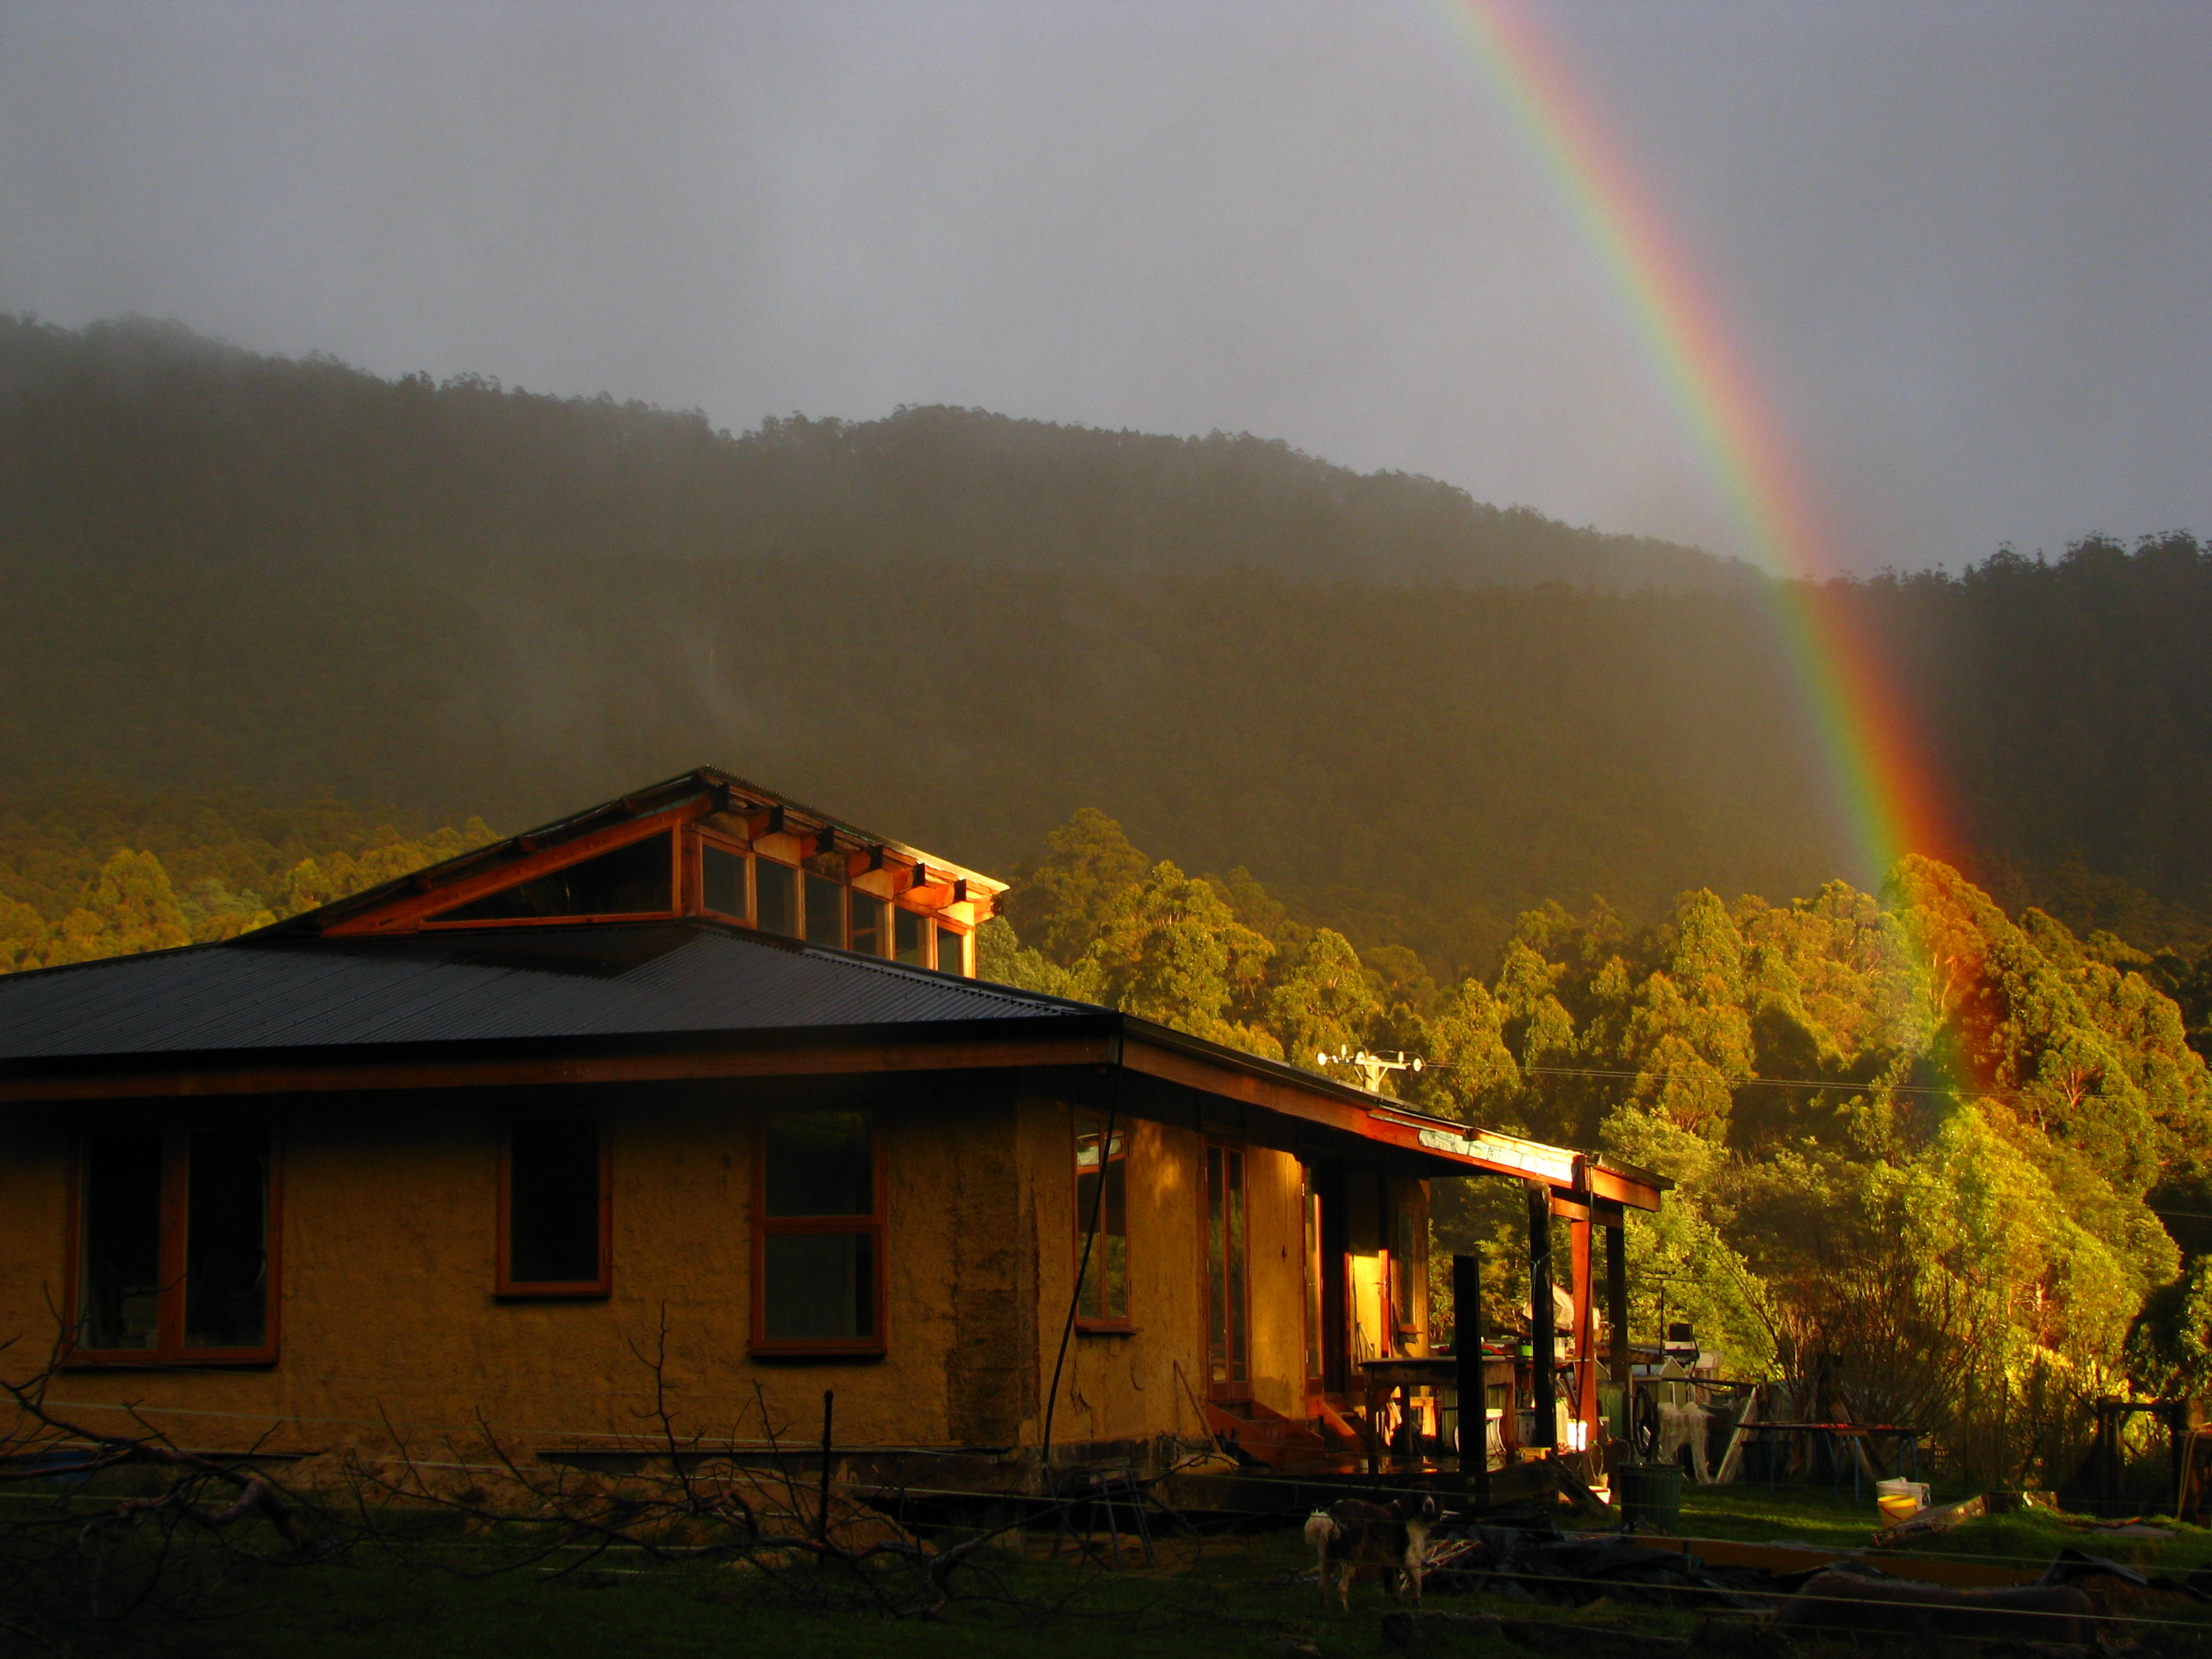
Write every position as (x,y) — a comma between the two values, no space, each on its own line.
(128,438)
(1409,714)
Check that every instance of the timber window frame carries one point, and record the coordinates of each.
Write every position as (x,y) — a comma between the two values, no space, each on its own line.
(790,884)
(176,1254)
(866,922)
(716,846)
(1103,1283)
(532,871)
(1224,1199)
(513,1214)
(865,1230)
(957,939)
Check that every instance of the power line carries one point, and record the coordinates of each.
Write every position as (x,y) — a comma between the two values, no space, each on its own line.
(1749,1082)
(1777,1082)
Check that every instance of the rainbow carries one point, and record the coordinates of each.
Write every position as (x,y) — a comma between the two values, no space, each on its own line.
(1883,786)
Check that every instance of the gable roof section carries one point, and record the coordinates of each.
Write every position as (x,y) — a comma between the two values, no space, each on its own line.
(403,903)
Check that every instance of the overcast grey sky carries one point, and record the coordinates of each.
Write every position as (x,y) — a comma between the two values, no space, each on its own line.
(1964,247)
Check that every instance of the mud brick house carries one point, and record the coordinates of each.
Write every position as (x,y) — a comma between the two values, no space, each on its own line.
(705,1061)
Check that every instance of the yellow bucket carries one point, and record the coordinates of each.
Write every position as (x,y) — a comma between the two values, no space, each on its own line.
(1898,1506)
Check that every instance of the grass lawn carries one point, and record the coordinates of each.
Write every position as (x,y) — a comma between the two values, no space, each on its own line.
(1220,1597)
(2029,1538)
(1211,1600)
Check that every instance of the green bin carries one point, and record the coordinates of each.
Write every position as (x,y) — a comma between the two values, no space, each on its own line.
(1649,1496)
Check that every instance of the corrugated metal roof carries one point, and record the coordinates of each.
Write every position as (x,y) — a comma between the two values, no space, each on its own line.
(303,992)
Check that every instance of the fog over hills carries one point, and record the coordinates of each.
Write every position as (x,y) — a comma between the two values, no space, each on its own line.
(1389,699)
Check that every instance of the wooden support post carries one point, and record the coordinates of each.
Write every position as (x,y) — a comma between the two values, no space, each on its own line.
(1616,1318)
(828,1404)
(1543,1347)
(2108,1461)
(1584,1404)
(1473,1383)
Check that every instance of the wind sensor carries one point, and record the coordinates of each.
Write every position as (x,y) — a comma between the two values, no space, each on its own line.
(1372,1067)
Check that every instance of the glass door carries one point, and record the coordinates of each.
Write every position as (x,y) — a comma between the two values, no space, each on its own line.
(1228,1320)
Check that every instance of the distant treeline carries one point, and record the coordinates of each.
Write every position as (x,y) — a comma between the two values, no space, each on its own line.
(131,438)
(94,870)
(1412,716)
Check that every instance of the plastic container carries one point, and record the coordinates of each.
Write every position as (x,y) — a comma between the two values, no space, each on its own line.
(1918,1490)
(1650,1495)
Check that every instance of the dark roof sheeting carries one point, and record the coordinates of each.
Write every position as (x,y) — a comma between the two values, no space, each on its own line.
(520,983)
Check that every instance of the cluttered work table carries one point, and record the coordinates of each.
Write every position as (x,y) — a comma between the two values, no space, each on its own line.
(1389,1378)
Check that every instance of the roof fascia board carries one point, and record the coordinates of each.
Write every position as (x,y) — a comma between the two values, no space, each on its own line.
(306,1075)
(1173,1056)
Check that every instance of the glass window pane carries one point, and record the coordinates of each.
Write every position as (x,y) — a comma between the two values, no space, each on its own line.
(631,880)
(868,913)
(826,910)
(119,1286)
(722,881)
(818,1163)
(908,933)
(227,1239)
(776,888)
(951,952)
(553,1201)
(1105,1292)
(818,1286)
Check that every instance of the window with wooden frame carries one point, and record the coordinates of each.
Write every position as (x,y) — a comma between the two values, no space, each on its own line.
(776,897)
(909,936)
(555,1208)
(817,900)
(725,881)
(870,924)
(174,1246)
(1228,1304)
(817,1236)
(1101,1223)
(951,950)
(824,889)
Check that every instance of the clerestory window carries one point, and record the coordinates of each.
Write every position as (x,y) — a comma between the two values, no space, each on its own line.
(636,880)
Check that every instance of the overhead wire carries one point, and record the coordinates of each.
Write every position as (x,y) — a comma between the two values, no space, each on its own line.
(1746,1083)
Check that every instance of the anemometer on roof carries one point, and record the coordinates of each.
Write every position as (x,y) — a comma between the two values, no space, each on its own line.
(1372,1067)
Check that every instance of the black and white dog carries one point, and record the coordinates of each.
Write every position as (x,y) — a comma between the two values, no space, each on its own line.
(1354,1537)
